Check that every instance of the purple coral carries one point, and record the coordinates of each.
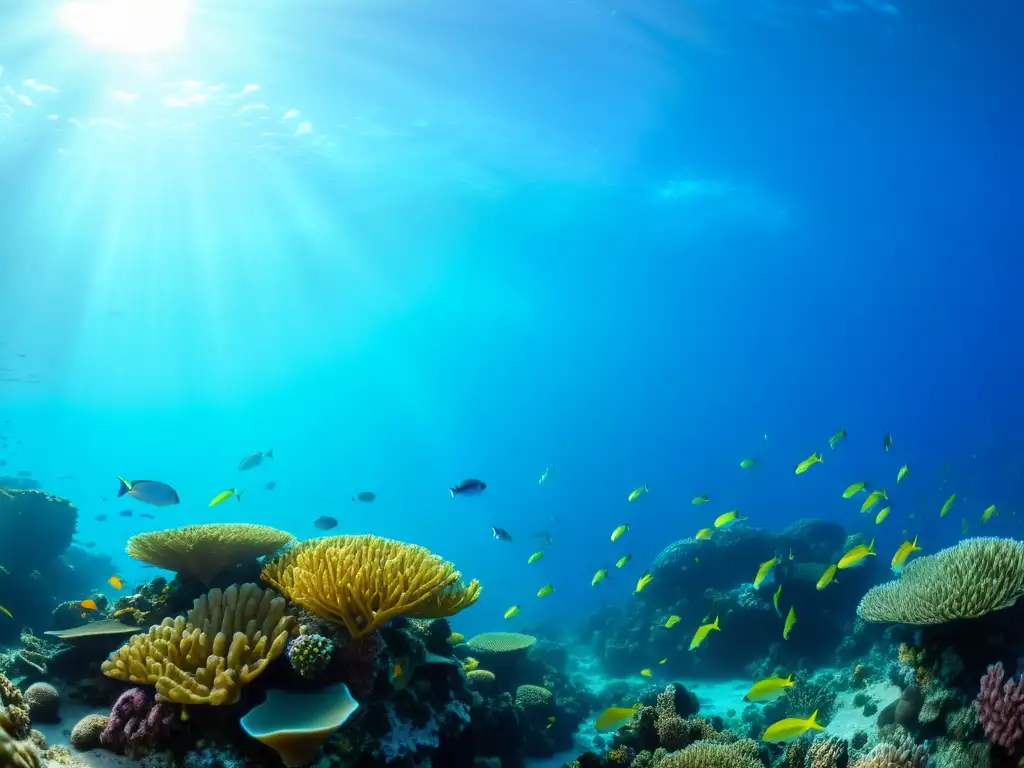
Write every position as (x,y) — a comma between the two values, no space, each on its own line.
(1001,707)
(138,722)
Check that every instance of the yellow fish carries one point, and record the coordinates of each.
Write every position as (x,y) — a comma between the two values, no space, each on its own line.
(834,440)
(769,689)
(856,556)
(89,605)
(727,519)
(535,557)
(882,514)
(513,611)
(620,531)
(115,582)
(807,463)
(6,613)
(791,728)
(455,638)
(790,623)
(704,533)
(873,498)
(642,582)
(827,577)
(853,489)
(623,560)
(613,717)
(791,557)
(636,493)
(646,672)
(775,600)
(907,548)
(702,633)
(887,442)
(700,500)
(224,496)
(766,569)
(672,621)
(987,514)
(546,590)
(904,470)
(947,505)
(599,577)
(748,463)
(663,660)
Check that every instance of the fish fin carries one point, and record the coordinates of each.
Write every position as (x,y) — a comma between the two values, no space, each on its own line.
(789,678)
(269,454)
(647,488)
(871,547)
(124,488)
(450,490)
(239,495)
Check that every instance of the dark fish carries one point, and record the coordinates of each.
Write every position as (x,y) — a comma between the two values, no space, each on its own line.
(501,534)
(468,487)
(149,491)
(90,544)
(101,518)
(366,496)
(24,473)
(255,459)
(325,523)
(125,513)
(887,442)
(146,515)
(271,485)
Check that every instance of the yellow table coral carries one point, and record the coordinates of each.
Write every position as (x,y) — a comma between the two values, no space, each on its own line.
(364,581)
(225,642)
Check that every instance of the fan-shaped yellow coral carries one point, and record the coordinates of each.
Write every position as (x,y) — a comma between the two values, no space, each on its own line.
(224,643)
(363,582)
(203,551)
(975,577)
(500,642)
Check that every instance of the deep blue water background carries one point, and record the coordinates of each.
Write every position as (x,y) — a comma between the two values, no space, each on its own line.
(637,246)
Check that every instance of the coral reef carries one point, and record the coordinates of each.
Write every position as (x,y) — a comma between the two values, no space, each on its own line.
(138,723)
(13,752)
(13,700)
(1001,708)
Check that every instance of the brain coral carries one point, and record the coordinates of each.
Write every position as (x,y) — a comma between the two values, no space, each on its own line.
(43,702)
(971,579)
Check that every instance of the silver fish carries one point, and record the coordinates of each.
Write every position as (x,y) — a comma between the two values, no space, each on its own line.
(255,459)
(149,492)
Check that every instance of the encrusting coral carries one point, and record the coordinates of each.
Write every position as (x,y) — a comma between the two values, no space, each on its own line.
(203,551)
(362,582)
(966,581)
(225,642)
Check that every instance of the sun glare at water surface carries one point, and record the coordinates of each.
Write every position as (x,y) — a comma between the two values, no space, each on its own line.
(128,26)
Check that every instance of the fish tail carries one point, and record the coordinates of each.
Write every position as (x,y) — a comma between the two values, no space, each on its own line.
(238,495)
(914,545)
(812,723)
(871,547)
(715,625)
(124,488)
(450,490)
(647,488)
(269,454)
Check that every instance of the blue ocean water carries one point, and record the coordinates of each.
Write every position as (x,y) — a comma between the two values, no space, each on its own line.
(403,244)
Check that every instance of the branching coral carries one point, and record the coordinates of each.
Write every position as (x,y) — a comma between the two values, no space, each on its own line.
(828,752)
(1001,708)
(225,642)
(704,754)
(362,582)
(973,578)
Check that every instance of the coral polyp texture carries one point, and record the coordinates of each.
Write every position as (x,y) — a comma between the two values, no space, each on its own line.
(966,581)
(362,582)
(225,642)
(1001,708)
(15,753)
(501,642)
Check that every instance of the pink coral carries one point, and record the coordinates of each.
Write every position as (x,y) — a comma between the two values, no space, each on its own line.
(1001,707)
(138,723)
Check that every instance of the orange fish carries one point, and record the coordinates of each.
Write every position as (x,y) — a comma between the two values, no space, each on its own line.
(89,605)
(115,582)
(122,612)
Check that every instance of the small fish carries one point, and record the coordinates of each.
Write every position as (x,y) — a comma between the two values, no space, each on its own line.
(613,717)
(646,672)
(224,496)
(791,728)
(810,461)
(700,500)
(468,487)
(255,459)
(125,513)
(899,560)
(397,673)
(662,661)
(836,439)
(546,590)
(887,442)
(101,517)
(642,582)
(672,621)
(882,514)
(6,613)
(728,519)
(987,514)
(767,569)
(623,560)
(599,577)
(149,492)
(545,475)
(367,497)
(147,516)
(853,489)
(702,633)
(748,463)
(123,612)
(551,720)
(873,498)
(513,611)
(791,557)
(89,605)
(775,600)
(856,556)
(535,557)
(618,532)
(904,471)
(704,534)
(636,493)
(769,689)
(947,505)
(115,582)
(455,638)
(790,623)
(500,534)
(325,523)
(270,485)
(827,577)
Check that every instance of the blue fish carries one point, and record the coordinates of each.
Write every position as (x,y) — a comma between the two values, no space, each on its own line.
(501,534)
(468,487)
(149,491)
(255,459)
